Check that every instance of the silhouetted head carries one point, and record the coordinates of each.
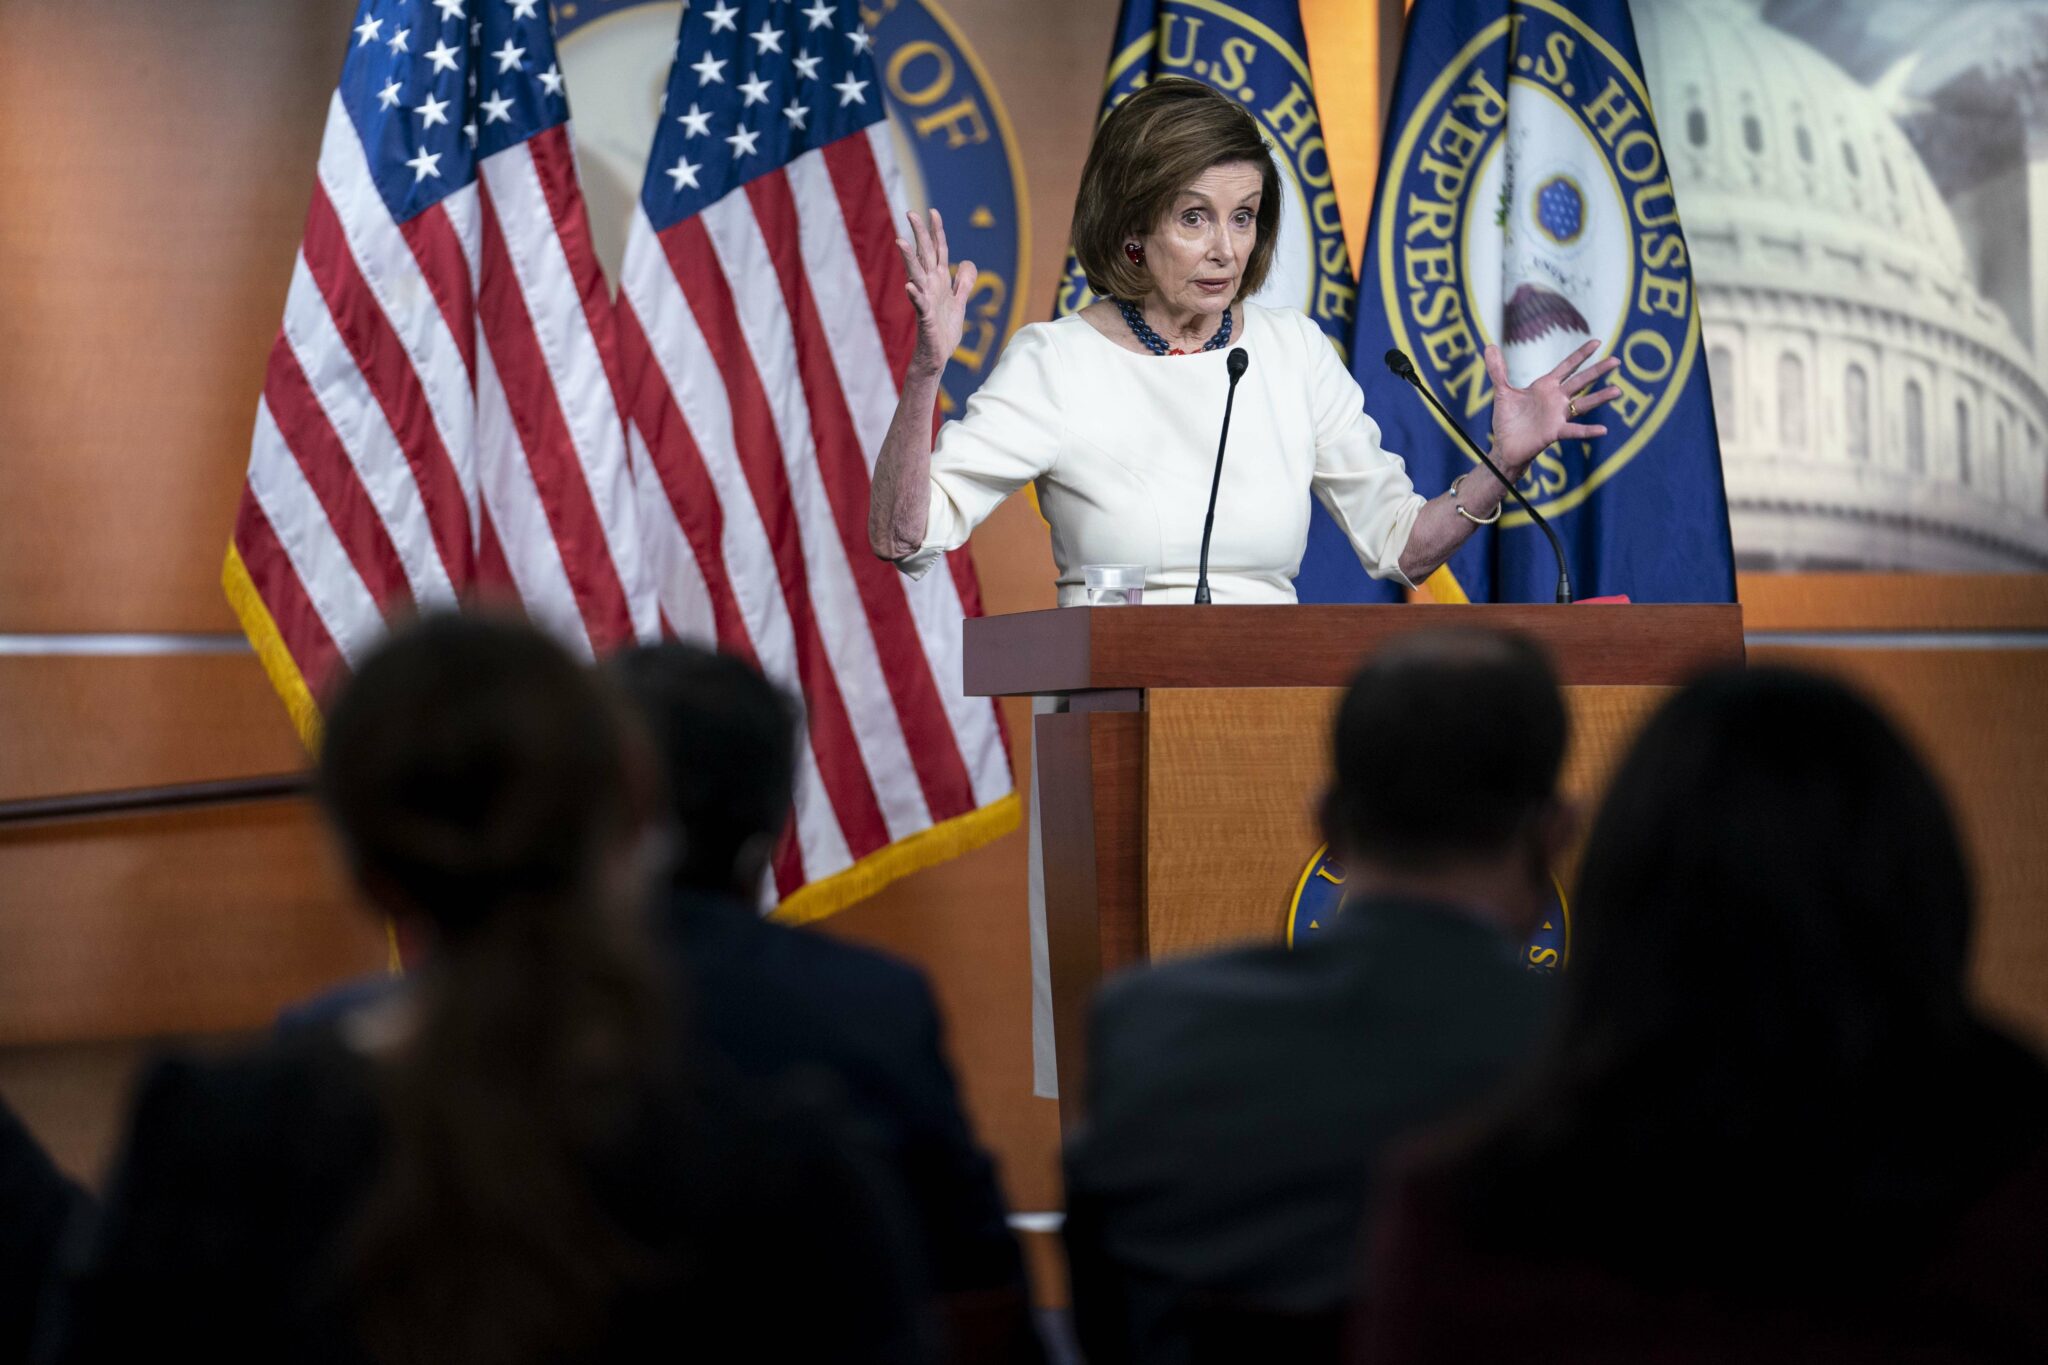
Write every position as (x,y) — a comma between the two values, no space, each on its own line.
(488,786)
(470,764)
(1763,1024)
(726,740)
(1446,751)
(1775,880)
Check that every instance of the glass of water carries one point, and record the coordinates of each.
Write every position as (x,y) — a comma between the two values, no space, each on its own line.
(1114,585)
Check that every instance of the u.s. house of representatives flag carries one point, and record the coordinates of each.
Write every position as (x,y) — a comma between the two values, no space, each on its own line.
(1524,200)
(440,417)
(765,331)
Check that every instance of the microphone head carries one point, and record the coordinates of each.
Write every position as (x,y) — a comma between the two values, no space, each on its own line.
(1237,363)
(1401,365)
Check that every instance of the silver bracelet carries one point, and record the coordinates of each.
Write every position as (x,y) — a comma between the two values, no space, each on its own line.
(1476,521)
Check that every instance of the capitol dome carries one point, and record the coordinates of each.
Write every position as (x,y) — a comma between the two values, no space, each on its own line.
(1875,410)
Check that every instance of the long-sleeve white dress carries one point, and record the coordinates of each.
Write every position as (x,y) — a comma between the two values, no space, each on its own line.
(1122,446)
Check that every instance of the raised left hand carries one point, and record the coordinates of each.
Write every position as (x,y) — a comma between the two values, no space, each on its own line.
(1552,408)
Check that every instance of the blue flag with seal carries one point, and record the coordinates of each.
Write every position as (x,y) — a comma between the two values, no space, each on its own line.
(1524,200)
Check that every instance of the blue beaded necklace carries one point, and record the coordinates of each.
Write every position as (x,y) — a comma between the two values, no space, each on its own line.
(1156,343)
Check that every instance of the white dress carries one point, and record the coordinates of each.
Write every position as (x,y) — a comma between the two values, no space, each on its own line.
(1122,446)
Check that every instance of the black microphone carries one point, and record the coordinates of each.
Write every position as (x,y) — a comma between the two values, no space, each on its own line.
(1236,364)
(1404,368)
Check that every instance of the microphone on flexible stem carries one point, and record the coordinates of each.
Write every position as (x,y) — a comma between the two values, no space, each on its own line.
(1236,364)
(1404,368)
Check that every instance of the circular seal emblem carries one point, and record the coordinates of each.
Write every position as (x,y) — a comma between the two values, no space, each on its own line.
(1319,898)
(1527,203)
(954,145)
(1246,59)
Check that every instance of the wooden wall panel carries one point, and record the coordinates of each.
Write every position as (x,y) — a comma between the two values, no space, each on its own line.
(189,922)
(71,724)
(158,160)
(1977,717)
(1894,602)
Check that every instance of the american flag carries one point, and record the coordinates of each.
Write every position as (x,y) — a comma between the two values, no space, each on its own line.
(441,416)
(765,331)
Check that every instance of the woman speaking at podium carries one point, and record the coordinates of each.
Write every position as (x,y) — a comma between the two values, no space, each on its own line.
(1114,411)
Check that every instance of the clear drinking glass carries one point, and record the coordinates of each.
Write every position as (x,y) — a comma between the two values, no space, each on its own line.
(1114,585)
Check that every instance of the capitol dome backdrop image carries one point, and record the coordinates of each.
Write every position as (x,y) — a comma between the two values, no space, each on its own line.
(1865,190)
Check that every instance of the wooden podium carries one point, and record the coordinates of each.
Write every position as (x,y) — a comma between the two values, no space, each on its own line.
(1178,788)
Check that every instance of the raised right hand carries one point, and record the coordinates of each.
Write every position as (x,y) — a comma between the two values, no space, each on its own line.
(938,290)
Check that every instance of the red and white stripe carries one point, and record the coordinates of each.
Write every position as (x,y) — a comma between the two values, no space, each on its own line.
(765,341)
(441,416)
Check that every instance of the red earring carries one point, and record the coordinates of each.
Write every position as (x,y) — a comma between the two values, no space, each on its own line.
(1135,252)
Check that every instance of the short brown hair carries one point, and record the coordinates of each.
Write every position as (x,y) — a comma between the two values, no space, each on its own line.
(1150,148)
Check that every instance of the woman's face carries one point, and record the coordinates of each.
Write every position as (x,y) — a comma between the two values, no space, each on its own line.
(1198,254)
